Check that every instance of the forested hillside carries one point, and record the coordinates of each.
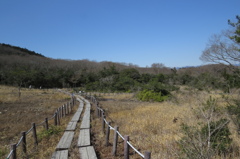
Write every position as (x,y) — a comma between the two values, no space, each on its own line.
(21,67)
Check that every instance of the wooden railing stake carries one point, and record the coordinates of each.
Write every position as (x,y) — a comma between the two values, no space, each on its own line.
(24,144)
(58,118)
(107,134)
(35,134)
(55,119)
(14,153)
(103,122)
(46,123)
(115,141)
(126,147)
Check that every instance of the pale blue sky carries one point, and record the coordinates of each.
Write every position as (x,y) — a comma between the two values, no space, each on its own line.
(141,32)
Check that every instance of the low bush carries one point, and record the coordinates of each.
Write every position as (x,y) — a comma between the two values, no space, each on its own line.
(53,130)
(234,111)
(150,95)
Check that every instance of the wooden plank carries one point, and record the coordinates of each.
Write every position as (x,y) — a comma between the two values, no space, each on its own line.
(76,116)
(87,153)
(71,126)
(60,154)
(86,121)
(81,104)
(84,138)
(65,141)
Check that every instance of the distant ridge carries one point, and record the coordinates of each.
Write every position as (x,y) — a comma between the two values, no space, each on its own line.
(8,49)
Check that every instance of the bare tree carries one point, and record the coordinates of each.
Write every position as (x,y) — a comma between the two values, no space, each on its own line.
(222,49)
(210,137)
(157,67)
(225,47)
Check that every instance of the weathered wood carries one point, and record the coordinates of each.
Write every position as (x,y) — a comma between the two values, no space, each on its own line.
(126,147)
(14,149)
(147,155)
(65,141)
(96,109)
(87,153)
(103,123)
(46,123)
(63,114)
(86,119)
(58,117)
(24,143)
(115,141)
(76,116)
(60,154)
(107,134)
(35,134)
(84,138)
(71,126)
(55,119)
(64,110)
(67,108)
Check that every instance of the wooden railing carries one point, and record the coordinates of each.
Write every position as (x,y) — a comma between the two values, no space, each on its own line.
(58,114)
(100,113)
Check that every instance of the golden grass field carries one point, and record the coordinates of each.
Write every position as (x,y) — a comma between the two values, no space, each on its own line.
(151,125)
(18,114)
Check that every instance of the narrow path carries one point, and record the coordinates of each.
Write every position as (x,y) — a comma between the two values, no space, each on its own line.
(86,151)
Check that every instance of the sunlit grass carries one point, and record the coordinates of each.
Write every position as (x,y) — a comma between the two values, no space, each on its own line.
(156,127)
(18,113)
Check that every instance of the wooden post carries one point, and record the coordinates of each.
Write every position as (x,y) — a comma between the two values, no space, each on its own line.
(64,110)
(24,144)
(115,141)
(55,119)
(14,153)
(107,134)
(46,123)
(99,113)
(126,147)
(103,122)
(73,101)
(70,107)
(59,113)
(147,155)
(63,115)
(58,117)
(96,109)
(35,134)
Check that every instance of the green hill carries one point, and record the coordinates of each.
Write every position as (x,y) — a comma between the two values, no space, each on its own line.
(6,49)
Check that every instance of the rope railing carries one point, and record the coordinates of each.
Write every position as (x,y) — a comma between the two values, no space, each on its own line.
(124,139)
(29,130)
(147,155)
(45,122)
(19,142)
(9,155)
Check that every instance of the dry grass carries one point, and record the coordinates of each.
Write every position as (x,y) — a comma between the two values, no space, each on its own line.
(18,114)
(153,126)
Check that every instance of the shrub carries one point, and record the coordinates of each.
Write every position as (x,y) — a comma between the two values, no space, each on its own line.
(150,95)
(220,140)
(53,130)
(234,111)
(202,142)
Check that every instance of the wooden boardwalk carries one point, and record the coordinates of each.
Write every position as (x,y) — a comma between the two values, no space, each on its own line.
(65,141)
(84,144)
(87,153)
(84,138)
(60,154)
(71,126)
